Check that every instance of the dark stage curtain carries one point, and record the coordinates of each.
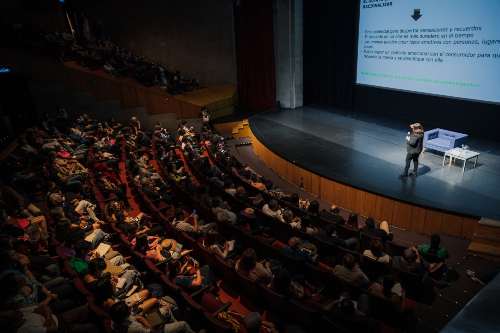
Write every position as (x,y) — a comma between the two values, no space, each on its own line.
(255,54)
(330,31)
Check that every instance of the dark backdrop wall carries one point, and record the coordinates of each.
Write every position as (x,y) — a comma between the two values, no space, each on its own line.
(476,119)
(255,54)
(329,52)
(330,41)
(45,15)
(193,36)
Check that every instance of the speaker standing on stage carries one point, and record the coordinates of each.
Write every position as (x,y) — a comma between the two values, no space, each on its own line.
(414,146)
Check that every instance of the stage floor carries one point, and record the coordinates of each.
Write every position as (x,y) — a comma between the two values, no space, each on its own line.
(369,154)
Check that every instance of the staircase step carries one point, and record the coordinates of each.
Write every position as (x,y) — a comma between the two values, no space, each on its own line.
(487,238)
(482,248)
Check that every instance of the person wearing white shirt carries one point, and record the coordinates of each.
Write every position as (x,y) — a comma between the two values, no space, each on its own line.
(273,210)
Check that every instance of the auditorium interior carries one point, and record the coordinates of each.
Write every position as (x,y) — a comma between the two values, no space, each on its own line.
(255,166)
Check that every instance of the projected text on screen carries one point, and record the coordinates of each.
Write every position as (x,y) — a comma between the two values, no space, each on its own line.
(445,47)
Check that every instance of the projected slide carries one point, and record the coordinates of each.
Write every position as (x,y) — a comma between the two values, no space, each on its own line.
(440,47)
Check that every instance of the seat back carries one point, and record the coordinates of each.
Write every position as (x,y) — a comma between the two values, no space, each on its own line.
(211,303)
(302,313)
(272,300)
(373,268)
(366,239)
(394,249)
(417,287)
(217,325)
(249,287)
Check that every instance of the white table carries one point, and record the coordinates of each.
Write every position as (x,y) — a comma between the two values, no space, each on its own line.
(461,154)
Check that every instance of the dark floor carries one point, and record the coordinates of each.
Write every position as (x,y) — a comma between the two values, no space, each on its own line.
(480,314)
(369,154)
(451,299)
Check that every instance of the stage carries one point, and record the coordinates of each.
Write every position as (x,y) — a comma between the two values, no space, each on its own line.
(368,154)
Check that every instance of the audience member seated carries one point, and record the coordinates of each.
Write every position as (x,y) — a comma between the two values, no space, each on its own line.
(229,187)
(433,252)
(125,321)
(350,272)
(190,275)
(292,220)
(382,231)
(333,215)
(300,249)
(409,262)
(308,226)
(223,251)
(241,193)
(292,199)
(255,182)
(159,250)
(353,221)
(352,314)
(31,319)
(191,223)
(248,266)
(114,275)
(295,287)
(313,209)
(330,235)
(223,212)
(391,289)
(272,209)
(376,252)
(85,210)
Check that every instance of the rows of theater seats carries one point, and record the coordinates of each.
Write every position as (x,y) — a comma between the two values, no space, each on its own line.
(268,241)
(163,177)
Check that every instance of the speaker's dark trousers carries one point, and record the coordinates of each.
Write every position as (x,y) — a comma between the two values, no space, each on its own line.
(411,157)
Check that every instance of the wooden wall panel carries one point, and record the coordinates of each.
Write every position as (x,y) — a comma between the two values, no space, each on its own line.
(468,227)
(359,202)
(370,205)
(338,195)
(188,110)
(105,89)
(433,222)
(278,164)
(287,172)
(282,167)
(327,192)
(450,226)
(296,175)
(417,221)
(385,209)
(128,98)
(141,98)
(401,214)
(130,93)
(352,202)
(315,185)
(306,180)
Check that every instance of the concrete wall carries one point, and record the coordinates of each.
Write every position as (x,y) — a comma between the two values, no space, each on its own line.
(193,36)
